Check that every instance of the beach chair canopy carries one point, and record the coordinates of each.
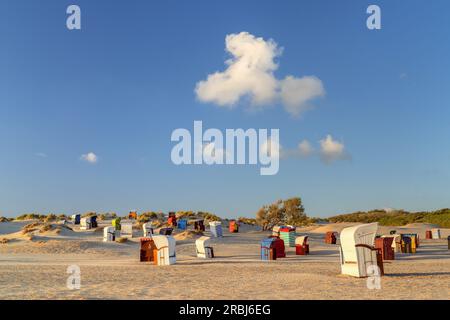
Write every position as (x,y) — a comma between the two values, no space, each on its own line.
(165,246)
(203,247)
(215,223)
(148,229)
(357,249)
(301,240)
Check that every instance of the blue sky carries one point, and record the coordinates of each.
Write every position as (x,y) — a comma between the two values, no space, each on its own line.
(123,83)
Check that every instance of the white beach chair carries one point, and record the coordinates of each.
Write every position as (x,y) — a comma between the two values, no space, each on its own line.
(85,223)
(126,229)
(165,246)
(435,233)
(109,234)
(215,227)
(357,249)
(148,230)
(203,248)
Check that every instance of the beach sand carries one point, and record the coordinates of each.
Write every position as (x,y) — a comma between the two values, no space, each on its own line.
(36,269)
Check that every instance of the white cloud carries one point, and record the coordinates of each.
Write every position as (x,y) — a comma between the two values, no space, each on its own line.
(305,148)
(297,92)
(332,150)
(90,157)
(41,154)
(249,73)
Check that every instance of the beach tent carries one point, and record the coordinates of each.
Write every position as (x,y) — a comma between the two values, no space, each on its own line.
(116,223)
(301,245)
(172,221)
(182,224)
(268,250)
(165,231)
(165,250)
(109,234)
(148,230)
(436,233)
(76,218)
(126,229)
(203,248)
(233,226)
(330,237)
(357,250)
(385,245)
(215,227)
(276,231)
(132,215)
(287,234)
(199,225)
(148,249)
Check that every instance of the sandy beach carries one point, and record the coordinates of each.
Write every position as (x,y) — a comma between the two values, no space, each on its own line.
(36,269)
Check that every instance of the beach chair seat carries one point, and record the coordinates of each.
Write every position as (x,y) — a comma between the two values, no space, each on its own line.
(357,251)
(435,233)
(199,225)
(132,215)
(331,237)
(148,247)
(109,234)
(385,245)
(116,223)
(233,226)
(172,220)
(165,231)
(203,248)
(280,248)
(215,227)
(85,223)
(301,245)
(76,218)
(287,234)
(126,229)
(268,250)
(148,229)
(165,250)
(182,224)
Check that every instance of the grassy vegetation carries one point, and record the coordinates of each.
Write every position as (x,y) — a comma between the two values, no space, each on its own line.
(249,221)
(396,218)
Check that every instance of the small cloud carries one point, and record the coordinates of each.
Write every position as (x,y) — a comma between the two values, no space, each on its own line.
(297,92)
(41,155)
(250,74)
(90,157)
(305,148)
(332,150)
